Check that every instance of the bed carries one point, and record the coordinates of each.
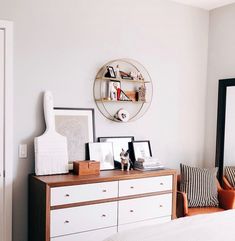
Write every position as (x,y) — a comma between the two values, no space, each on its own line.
(207,227)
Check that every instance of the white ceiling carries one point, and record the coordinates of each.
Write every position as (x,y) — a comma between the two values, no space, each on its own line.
(206,4)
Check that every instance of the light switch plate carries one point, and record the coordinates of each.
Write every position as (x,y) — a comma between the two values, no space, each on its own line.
(23,151)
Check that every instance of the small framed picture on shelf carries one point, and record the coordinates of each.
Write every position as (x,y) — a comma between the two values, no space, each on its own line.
(102,152)
(140,149)
(110,72)
(114,89)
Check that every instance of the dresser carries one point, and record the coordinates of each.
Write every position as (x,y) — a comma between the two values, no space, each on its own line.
(91,208)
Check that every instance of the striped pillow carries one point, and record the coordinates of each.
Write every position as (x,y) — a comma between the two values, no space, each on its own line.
(200,185)
(229,173)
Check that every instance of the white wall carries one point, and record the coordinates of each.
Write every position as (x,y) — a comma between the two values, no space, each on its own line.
(60,45)
(221,65)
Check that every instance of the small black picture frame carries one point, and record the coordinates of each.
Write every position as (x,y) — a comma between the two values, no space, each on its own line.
(140,149)
(110,72)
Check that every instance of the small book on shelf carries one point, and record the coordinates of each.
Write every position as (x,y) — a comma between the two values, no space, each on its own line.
(148,164)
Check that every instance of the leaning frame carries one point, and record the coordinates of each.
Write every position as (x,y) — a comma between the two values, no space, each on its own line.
(220,134)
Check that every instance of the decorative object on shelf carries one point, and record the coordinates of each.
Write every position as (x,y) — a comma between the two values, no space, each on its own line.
(132,88)
(139,76)
(78,125)
(134,75)
(140,149)
(122,115)
(125,75)
(102,152)
(141,93)
(86,167)
(110,72)
(123,96)
(51,153)
(147,164)
(125,159)
(119,143)
(114,89)
(117,72)
(132,95)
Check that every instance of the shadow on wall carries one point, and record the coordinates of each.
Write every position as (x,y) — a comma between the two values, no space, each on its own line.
(23,168)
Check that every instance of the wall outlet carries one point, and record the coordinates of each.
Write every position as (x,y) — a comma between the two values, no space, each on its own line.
(23,153)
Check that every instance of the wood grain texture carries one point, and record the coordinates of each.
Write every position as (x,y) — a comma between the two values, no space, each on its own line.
(109,200)
(174,195)
(104,176)
(40,195)
(39,212)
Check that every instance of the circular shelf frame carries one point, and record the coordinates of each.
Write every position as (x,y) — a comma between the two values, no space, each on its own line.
(100,88)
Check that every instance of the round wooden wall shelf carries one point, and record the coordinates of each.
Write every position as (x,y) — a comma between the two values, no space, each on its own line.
(123,90)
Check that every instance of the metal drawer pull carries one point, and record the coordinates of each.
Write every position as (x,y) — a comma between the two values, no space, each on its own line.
(161,206)
(161,183)
(103,215)
(67,195)
(104,190)
(131,187)
(131,210)
(66,221)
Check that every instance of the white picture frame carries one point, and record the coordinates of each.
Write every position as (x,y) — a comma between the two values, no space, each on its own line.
(119,143)
(102,152)
(113,85)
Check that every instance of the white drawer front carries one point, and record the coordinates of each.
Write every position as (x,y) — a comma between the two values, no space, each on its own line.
(82,193)
(155,221)
(138,209)
(97,235)
(145,185)
(79,219)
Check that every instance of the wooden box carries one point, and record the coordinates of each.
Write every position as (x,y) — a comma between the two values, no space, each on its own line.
(86,167)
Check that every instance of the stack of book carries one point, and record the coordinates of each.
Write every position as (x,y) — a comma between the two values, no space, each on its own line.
(148,163)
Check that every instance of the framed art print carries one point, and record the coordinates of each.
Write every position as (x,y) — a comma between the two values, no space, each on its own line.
(102,152)
(113,87)
(110,72)
(119,143)
(77,124)
(141,149)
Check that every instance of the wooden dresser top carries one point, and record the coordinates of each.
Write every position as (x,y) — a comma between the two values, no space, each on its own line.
(104,176)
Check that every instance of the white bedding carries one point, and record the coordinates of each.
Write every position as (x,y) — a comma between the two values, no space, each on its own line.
(208,227)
